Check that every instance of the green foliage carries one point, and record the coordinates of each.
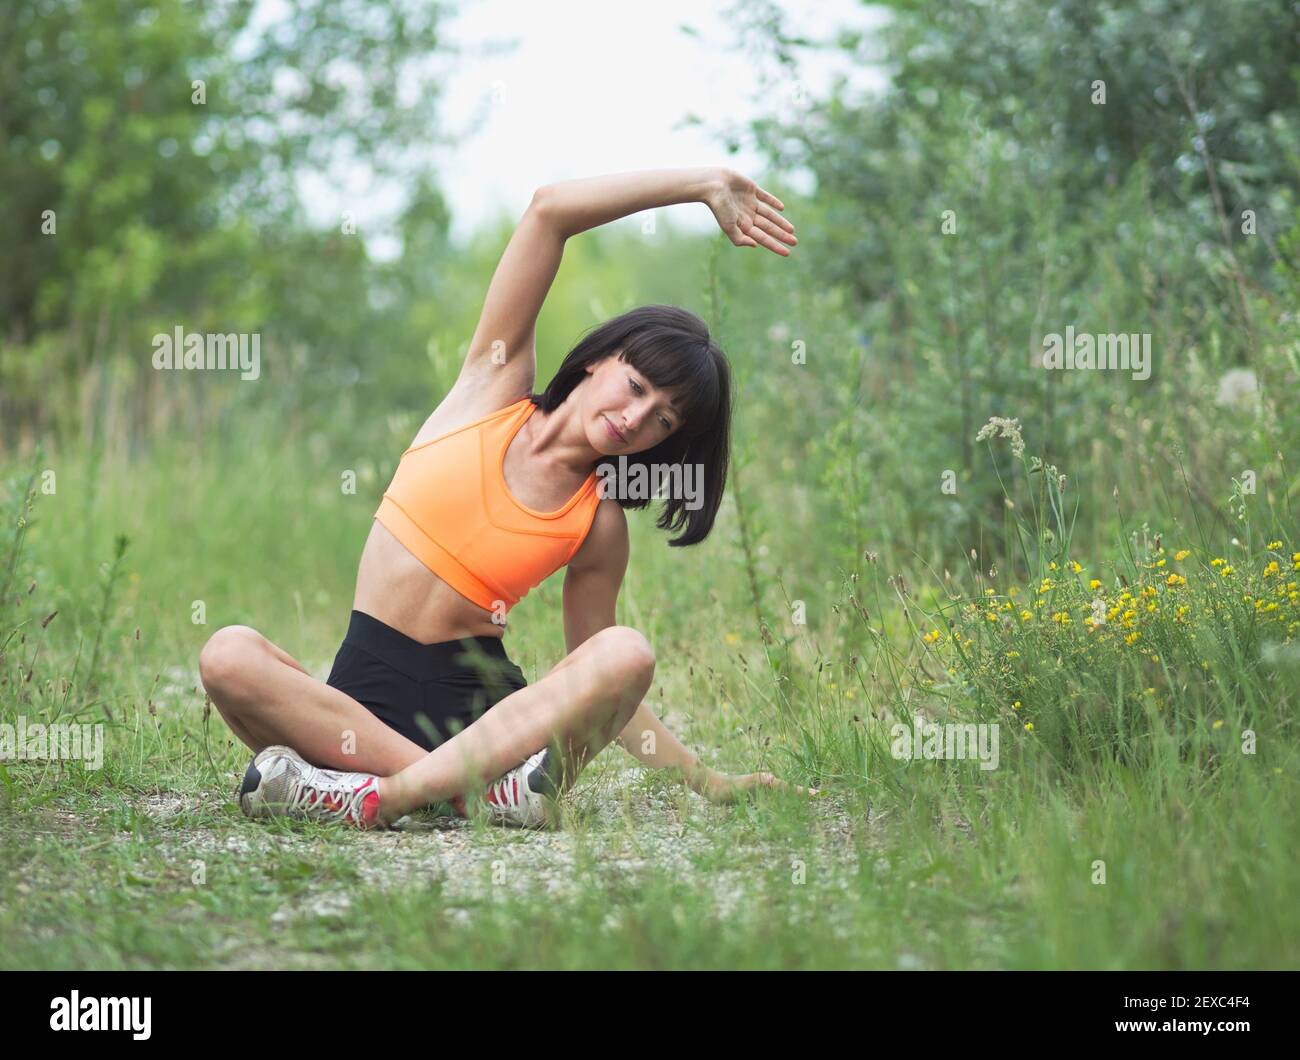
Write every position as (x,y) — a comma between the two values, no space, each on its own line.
(987,199)
(134,204)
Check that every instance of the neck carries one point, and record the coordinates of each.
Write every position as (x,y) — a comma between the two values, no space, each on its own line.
(558,438)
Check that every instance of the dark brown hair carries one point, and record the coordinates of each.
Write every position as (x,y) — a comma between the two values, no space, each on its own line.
(672,348)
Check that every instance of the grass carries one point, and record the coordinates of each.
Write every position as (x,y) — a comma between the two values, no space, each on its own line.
(1134,767)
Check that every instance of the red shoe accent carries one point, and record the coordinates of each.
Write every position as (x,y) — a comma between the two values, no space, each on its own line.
(370,808)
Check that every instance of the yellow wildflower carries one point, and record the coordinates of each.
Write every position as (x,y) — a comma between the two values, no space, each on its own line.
(1182,554)
(1094,584)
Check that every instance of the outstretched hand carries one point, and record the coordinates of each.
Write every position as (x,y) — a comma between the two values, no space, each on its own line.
(724,787)
(748,215)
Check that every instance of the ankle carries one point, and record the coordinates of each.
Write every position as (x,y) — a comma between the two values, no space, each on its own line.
(391,802)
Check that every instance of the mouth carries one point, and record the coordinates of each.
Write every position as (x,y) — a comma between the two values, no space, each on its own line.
(613,431)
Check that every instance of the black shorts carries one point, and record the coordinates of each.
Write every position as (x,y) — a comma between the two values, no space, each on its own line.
(427,692)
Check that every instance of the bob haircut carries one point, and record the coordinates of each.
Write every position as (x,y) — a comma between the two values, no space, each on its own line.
(671,347)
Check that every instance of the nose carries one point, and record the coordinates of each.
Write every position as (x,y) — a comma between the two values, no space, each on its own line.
(632,417)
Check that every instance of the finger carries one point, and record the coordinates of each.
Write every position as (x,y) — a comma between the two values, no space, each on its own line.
(767,241)
(772,228)
(770,214)
(770,199)
(761,230)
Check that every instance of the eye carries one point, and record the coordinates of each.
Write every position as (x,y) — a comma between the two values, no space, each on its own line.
(637,389)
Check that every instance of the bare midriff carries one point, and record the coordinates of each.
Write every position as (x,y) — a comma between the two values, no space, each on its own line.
(396,588)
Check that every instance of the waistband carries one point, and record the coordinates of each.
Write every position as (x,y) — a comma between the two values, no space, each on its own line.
(424,661)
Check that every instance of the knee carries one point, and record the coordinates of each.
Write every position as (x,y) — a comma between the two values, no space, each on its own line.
(627,656)
(226,655)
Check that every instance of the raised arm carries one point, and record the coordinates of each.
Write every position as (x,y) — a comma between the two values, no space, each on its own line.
(744,211)
(502,352)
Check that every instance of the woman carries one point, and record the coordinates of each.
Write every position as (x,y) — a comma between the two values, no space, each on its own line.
(497,491)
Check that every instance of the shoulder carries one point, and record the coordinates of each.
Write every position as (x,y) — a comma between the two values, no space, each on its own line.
(606,544)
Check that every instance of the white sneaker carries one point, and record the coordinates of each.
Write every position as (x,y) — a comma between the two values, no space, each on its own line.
(519,798)
(281,783)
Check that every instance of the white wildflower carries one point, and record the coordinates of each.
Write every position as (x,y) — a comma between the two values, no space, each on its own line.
(1001,427)
(1235,385)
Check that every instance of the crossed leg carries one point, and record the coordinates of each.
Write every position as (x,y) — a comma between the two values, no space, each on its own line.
(583,703)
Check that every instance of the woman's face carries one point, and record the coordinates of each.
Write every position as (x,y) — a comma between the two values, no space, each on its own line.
(622,411)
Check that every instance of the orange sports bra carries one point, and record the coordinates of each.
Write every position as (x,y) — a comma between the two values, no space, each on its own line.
(449,505)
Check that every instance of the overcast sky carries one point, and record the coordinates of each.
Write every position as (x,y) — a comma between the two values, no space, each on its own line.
(593,86)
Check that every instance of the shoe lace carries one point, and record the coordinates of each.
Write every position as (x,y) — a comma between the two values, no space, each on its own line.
(311,795)
(504,793)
